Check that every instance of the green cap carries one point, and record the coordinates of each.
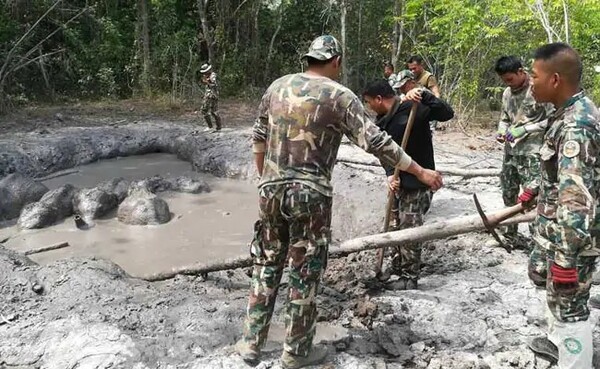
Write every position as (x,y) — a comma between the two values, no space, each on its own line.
(403,77)
(324,48)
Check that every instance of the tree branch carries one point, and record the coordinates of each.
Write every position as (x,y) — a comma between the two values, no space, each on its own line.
(29,61)
(29,31)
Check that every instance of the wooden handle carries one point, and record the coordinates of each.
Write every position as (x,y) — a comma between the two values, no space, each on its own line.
(390,202)
(501,215)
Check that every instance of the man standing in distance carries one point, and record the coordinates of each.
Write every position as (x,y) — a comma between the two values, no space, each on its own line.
(521,128)
(568,218)
(425,79)
(388,73)
(412,197)
(210,104)
(302,118)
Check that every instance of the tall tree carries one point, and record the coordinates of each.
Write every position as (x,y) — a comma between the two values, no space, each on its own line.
(206,36)
(398,33)
(343,14)
(144,44)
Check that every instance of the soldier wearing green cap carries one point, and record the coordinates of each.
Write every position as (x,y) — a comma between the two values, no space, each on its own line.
(302,118)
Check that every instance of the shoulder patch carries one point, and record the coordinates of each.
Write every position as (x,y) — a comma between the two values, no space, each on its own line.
(571,149)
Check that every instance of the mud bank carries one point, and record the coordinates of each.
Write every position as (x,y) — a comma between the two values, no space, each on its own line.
(46,151)
(475,307)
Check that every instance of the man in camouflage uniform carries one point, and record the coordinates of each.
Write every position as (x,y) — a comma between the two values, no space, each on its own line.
(425,79)
(412,198)
(388,73)
(210,103)
(568,218)
(302,118)
(521,129)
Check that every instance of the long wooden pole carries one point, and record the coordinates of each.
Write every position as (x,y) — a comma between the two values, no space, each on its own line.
(459,172)
(392,194)
(431,231)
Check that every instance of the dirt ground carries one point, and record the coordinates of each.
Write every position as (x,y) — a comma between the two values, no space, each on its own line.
(474,308)
(237,113)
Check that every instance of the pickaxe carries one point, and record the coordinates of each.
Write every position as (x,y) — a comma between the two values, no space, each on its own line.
(492,222)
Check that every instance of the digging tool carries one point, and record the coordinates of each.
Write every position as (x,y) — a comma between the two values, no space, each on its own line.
(391,194)
(491,223)
(428,232)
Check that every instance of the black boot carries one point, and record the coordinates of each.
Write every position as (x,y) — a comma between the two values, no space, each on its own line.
(543,347)
(594,301)
(207,120)
(217,122)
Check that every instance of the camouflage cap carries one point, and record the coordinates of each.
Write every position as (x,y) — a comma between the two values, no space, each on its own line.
(403,77)
(324,48)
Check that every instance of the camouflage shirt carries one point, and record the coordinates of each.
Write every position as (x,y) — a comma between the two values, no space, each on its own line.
(392,79)
(301,120)
(570,189)
(212,87)
(519,108)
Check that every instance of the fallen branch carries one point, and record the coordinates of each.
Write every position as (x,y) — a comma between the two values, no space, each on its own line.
(427,232)
(372,163)
(465,173)
(470,173)
(57,174)
(56,246)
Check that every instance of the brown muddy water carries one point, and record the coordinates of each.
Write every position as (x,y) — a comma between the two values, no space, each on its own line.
(206,226)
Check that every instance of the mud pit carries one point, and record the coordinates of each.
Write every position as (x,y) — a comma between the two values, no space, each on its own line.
(475,307)
(206,226)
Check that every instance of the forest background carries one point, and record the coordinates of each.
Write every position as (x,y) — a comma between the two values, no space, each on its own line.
(54,51)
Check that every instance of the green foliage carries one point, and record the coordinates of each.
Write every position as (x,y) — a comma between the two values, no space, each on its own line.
(97,54)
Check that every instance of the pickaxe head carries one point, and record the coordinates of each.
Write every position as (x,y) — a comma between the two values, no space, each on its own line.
(489,226)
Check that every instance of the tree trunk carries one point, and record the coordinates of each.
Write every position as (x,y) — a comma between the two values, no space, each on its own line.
(437,230)
(144,44)
(206,35)
(398,33)
(272,43)
(566,20)
(343,12)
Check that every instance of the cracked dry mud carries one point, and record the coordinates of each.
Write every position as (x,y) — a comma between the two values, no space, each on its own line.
(474,309)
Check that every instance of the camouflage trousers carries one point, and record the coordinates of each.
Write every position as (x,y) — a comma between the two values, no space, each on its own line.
(571,305)
(409,210)
(210,110)
(537,269)
(518,171)
(294,229)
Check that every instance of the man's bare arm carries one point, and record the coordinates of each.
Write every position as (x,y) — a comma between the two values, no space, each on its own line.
(259,161)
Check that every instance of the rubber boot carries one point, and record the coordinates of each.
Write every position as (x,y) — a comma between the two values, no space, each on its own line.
(317,355)
(542,346)
(397,285)
(248,351)
(594,301)
(538,280)
(217,122)
(208,122)
(575,344)
(596,277)
(412,284)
